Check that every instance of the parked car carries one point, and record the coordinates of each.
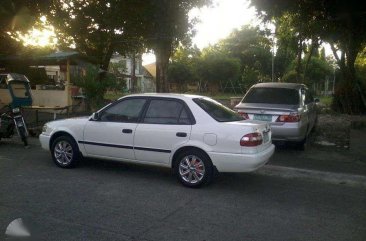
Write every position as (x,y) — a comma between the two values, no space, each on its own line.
(289,108)
(192,134)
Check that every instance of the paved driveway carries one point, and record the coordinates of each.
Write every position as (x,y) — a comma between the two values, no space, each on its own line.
(112,201)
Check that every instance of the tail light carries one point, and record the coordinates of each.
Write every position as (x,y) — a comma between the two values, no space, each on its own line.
(251,139)
(289,118)
(244,115)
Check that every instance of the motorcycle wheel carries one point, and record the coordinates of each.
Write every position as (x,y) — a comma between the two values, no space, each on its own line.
(23,136)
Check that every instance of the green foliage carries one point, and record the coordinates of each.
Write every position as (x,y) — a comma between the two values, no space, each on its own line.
(94,87)
(180,73)
(251,46)
(217,67)
(251,76)
(338,22)
(17,16)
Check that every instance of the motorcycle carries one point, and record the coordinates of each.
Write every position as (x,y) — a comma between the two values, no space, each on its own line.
(12,120)
(11,117)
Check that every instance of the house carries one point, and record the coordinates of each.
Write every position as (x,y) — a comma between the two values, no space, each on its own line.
(122,67)
(49,75)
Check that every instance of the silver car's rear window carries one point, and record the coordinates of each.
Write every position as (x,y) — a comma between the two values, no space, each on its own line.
(272,96)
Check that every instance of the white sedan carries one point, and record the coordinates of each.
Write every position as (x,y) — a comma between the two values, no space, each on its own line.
(192,134)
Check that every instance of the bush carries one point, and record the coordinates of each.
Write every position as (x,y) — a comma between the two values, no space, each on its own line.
(95,84)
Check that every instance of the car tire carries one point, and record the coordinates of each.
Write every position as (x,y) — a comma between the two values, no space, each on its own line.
(301,145)
(194,168)
(65,152)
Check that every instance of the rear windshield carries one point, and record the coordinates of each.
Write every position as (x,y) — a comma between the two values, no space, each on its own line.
(272,96)
(217,111)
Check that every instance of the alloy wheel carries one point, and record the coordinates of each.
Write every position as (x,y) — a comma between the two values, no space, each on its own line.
(192,169)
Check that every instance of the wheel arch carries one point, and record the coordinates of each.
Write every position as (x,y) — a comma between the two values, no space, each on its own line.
(185,148)
(57,134)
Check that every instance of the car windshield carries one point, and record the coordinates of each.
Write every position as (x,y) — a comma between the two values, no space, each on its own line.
(217,111)
(282,96)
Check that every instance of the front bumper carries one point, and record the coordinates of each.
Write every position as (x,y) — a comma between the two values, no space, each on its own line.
(229,162)
(45,141)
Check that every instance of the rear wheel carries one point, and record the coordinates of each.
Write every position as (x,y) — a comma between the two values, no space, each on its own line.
(194,168)
(65,152)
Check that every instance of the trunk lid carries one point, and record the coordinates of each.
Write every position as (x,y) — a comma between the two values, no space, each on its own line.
(240,128)
(265,112)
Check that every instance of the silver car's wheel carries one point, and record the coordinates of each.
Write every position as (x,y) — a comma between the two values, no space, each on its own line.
(65,152)
(193,168)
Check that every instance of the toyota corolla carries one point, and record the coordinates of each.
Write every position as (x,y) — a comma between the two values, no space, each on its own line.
(194,135)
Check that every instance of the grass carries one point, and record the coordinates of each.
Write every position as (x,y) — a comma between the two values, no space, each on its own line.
(111,95)
(326,100)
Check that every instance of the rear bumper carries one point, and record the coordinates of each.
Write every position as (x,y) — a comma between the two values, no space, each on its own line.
(45,141)
(228,162)
(288,132)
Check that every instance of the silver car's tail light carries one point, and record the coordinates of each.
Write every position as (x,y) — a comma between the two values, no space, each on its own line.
(251,139)
(289,118)
(244,115)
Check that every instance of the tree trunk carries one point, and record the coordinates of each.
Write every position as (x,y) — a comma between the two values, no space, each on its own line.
(298,64)
(314,44)
(162,53)
(104,64)
(350,97)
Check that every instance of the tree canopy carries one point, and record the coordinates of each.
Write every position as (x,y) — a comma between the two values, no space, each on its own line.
(340,23)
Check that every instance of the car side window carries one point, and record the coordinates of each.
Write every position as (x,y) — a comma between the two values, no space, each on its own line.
(124,111)
(166,112)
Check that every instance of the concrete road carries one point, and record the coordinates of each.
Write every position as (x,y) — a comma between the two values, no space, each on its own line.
(102,200)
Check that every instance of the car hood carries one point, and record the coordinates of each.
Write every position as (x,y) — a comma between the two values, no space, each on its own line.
(69,121)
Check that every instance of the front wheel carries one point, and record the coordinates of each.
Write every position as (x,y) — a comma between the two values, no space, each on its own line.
(23,135)
(65,152)
(194,168)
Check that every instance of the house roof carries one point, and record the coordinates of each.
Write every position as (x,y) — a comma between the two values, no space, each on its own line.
(49,59)
(151,68)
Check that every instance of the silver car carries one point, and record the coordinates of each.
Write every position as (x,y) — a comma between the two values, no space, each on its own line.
(289,108)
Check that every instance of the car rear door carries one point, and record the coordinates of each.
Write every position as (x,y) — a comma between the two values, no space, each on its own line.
(112,135)
(166,124)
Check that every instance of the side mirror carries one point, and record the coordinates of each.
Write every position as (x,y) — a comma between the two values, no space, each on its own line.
(95,116)
(316,100)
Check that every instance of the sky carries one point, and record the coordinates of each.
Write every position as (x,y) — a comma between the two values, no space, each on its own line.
(217,22)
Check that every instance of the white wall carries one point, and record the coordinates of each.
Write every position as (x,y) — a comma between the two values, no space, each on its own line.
(49,98)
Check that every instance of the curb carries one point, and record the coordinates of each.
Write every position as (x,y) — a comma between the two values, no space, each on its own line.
(330,177)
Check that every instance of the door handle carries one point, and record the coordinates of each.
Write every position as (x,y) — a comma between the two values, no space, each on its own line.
(181,134)
(127,131)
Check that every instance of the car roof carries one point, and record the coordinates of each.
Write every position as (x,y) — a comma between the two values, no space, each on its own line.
(280,85)
(167,95)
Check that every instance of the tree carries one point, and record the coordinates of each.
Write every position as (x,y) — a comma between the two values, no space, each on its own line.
(341,23)
(218,69)
(251,46)
(16,16)
(166,25)
(96,28)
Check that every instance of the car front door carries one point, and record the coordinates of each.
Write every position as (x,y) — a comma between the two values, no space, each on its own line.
(113,133)
(165,125)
